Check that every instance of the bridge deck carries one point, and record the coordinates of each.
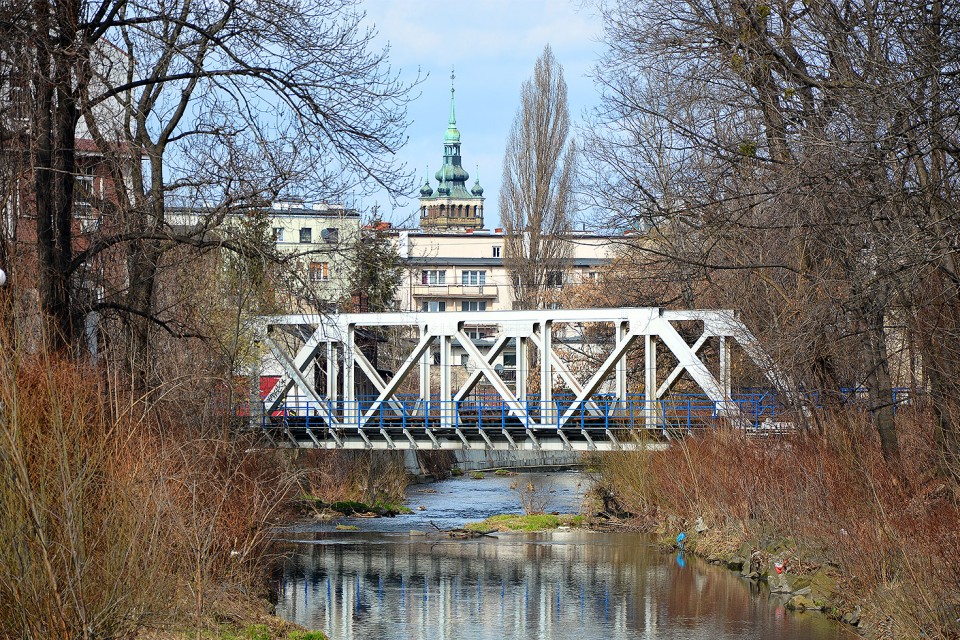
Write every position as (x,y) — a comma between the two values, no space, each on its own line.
(599,425)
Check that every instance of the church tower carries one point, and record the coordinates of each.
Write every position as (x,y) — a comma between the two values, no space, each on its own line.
(451,207)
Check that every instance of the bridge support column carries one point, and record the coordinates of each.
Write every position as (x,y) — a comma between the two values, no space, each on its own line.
(725,378)
(650,380)
(256,399)
(547,410)
(425,385)
(332,373)
(520,385)
(621,375)
(351,408)
(446,388)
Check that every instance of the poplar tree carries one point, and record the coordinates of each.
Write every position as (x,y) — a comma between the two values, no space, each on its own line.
(536,196)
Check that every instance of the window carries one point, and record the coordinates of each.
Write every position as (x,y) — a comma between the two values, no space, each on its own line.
(555,279)
(473,278)
(84,187)
(306,235)
(319,271)
(510,359)
(473,305)
(496,252)
(464,359)
(278,234)
(475,334)
(433,276)
(330,235)
(82,195)
(433,306)
(593,276)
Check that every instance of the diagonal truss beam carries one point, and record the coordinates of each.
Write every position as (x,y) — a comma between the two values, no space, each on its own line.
(477,374)
(413,360)
(304,357)
(517,409)
(688,359)
(608,366)
(678,370)
(296,376)
(567,375)
(374,376)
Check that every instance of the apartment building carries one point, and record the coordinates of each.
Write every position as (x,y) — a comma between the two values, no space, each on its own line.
(318,239)
(465,271)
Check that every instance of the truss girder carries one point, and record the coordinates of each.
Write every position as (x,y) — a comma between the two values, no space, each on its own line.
(444,331)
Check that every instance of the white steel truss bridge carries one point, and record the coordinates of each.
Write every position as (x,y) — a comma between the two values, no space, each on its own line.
(331,394)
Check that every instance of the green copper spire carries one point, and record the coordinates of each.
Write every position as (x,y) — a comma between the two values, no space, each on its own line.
(453,206)
(453,135)
(477,189)
(426,190)
(452,176)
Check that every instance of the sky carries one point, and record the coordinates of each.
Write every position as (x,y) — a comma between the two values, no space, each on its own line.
(493,45)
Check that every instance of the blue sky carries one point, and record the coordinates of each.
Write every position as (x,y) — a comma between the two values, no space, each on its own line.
(493,44)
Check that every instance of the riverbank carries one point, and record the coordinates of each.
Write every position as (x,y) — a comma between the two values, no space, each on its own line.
(393,578)
(825,521)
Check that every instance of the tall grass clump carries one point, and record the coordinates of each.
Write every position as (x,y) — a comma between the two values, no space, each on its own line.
(114,519)
(362,476)
(893,532)
(82,538)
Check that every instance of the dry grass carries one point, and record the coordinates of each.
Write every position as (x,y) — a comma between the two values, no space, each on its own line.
(361,476)
(113,523)
(895,533)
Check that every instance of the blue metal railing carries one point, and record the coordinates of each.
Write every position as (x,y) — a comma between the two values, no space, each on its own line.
(758,409)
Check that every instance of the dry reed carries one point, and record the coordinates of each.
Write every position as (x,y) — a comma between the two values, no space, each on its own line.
(112,524)
(894,533)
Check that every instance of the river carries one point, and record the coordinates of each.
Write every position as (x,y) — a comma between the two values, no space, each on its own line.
(382,582)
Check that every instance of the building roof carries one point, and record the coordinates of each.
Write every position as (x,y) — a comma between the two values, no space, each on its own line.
(295,209)
(455,261)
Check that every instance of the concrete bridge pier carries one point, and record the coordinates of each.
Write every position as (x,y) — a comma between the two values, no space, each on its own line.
(480,460)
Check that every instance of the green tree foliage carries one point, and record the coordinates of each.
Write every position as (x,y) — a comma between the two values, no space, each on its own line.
(378,271)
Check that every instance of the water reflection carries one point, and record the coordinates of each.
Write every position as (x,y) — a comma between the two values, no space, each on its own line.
(565,585)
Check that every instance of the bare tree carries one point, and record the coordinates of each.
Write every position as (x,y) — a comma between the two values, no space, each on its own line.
(536,198)
(780,152)
(193,103)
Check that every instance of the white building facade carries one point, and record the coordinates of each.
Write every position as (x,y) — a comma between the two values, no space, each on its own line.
(465,271)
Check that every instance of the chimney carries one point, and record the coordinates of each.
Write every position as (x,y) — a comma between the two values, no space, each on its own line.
(498,230)
(469,230)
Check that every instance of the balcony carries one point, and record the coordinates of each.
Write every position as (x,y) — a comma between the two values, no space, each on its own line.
(455,291)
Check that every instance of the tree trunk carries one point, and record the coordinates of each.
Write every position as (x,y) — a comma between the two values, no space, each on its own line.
(54,122)
(879,386)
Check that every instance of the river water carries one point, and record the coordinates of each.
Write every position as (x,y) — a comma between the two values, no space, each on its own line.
(385,582)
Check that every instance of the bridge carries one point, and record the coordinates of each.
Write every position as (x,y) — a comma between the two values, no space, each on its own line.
(332,393)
